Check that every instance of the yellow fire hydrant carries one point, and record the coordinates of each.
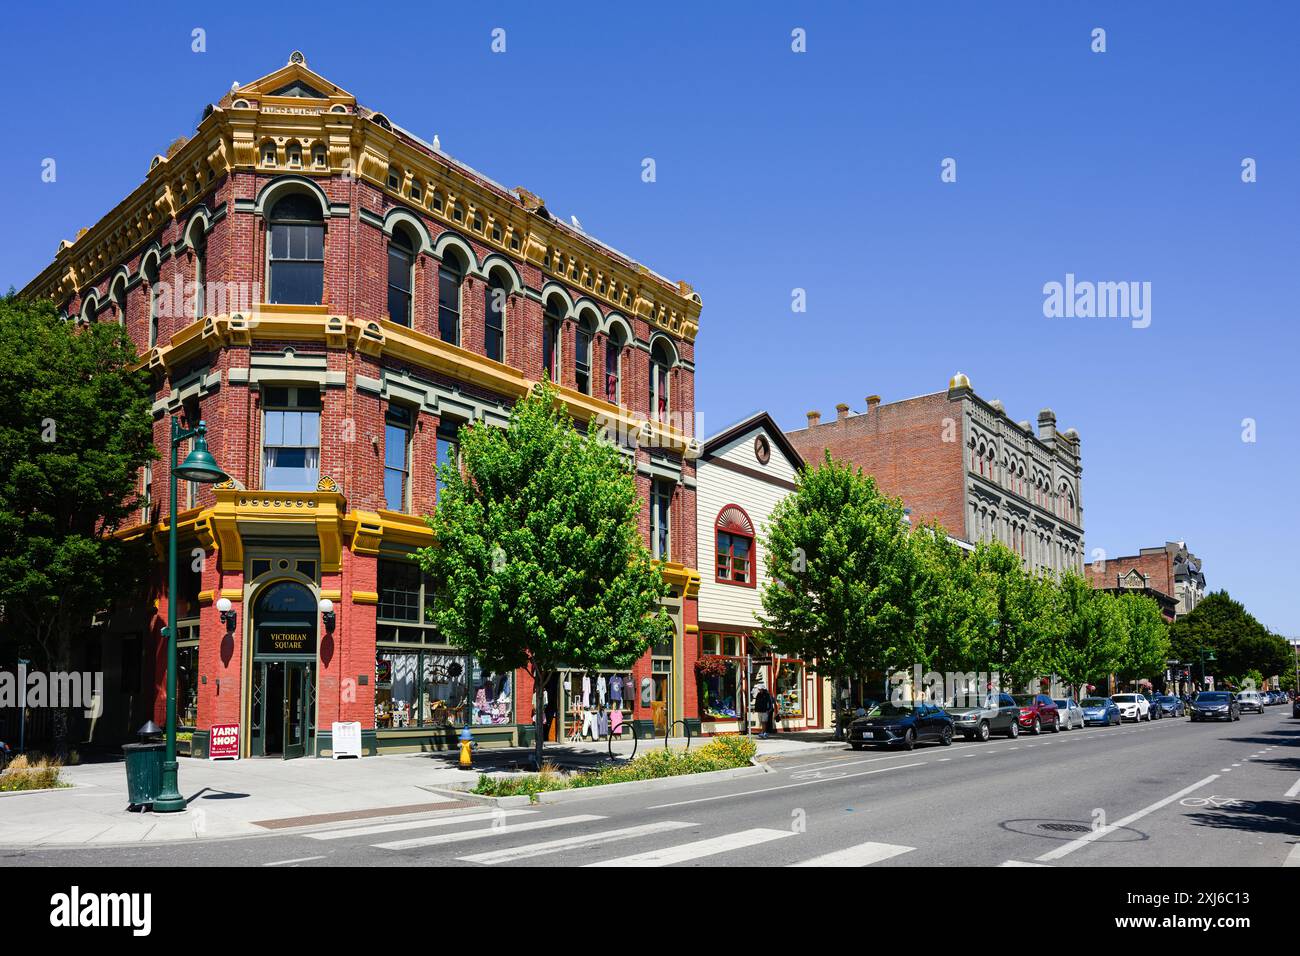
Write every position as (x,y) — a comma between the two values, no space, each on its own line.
(466,749)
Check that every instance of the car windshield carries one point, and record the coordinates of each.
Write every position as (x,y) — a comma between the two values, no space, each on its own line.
(890,709)
(1212,698)
(1024,700)
(1093,702)
(1125,698)
(1062,702)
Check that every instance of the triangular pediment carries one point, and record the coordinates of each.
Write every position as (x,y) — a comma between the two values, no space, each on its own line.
(293,81)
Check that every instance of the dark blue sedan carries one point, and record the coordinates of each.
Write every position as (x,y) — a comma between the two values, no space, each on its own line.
(1100,711)
(1169,705)
(901,725)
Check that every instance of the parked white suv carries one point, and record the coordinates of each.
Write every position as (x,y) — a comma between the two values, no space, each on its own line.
(1132,706)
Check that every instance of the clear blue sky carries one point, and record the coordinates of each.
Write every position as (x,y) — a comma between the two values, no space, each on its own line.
(820,171)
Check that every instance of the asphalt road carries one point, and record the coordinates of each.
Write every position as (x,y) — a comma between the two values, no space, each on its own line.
(1165,793)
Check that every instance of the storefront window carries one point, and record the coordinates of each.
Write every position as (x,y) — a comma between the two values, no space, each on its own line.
(415,689)
(718,691)
(187,683)
(787,685)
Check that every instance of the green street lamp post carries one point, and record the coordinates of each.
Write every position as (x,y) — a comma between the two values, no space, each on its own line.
(199,466)
(1206,655)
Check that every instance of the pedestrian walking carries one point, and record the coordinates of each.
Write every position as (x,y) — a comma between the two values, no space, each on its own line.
(763,703)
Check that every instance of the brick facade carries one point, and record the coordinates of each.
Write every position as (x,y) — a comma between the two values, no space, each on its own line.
(218,363)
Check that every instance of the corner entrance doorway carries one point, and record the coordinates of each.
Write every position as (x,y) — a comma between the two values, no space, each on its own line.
(282,695)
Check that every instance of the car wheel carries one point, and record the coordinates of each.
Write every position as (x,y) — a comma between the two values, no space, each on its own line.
(909,739)
(1056,725)
(983,733)
(945,737)
(1014,730)
(1038,727)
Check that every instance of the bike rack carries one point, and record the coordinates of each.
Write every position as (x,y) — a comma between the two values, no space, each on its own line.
(635,739)
(669,733)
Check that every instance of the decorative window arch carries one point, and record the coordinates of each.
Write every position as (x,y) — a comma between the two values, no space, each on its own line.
(735,553)
(296,250)
(451,277)
(496,299)
(662,359)
(117,294)
(196,238)
(617,336)
(552,321)
(402,251)
(89,306)
(584,334)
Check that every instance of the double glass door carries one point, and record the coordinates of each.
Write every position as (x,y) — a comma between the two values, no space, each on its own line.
(283,708)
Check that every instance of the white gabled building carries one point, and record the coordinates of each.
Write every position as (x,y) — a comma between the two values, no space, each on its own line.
(742,473)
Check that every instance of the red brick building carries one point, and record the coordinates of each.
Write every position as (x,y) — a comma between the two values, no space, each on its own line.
(335,298)
(956,458)
(1171,575)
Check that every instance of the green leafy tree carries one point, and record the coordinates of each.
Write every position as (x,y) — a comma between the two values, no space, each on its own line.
(955,605)
(1016,640)
(1239,641)
(839,565)
(1091,636)
(1146,648)
(539,563)
(75,429)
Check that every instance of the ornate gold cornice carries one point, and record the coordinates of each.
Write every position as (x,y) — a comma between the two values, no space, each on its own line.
(365,145)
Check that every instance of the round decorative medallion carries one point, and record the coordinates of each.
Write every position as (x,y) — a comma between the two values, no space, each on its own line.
(762,451)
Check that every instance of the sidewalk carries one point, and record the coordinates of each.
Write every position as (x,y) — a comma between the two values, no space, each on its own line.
(256,797)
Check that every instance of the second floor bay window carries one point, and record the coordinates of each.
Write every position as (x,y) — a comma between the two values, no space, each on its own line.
(448,448)
(494,319)
(291,438)
(582,356)
(613,364)
(551,338)
(296,251)
(660,363)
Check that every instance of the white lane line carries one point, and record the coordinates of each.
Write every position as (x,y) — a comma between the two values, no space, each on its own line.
(788,786)
(1295,788)
(1225,770)
(479,834)
(301,859)
(1020,863)
(1293,858)
(572,843)
(1100,832)
(864,854)
(666,856)
(414,824)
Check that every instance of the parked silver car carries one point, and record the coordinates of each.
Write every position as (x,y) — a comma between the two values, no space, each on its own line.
(1071,714)
(998,715)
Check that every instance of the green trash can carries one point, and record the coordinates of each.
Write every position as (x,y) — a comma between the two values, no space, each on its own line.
(144,766)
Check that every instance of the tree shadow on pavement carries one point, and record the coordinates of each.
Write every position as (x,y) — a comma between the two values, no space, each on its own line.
(1267,816)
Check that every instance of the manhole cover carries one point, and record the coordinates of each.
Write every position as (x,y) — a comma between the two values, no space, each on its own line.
(1065,827)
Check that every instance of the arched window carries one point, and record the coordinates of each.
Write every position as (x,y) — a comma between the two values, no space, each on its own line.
(660,363)
(551,337)
(613,363)
(450,274)
(118,295)
(401,276)
(582,355)
(735,547)
(297,251)
(151,296)
(200,246)
(494,317)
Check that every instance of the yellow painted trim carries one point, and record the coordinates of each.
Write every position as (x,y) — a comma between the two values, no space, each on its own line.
(237,511)
(233,595)
(205,597)
(679,575)
(365,597)
(332,595)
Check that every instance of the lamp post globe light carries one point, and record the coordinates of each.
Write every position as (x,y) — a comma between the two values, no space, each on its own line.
(199,466)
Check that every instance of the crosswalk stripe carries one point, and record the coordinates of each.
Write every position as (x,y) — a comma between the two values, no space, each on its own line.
(511,854)
(700,848)
(485,832)
(414,824)
(864,854)
(1020,863)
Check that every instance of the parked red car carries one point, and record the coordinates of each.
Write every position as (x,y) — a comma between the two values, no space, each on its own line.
(1037,713)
